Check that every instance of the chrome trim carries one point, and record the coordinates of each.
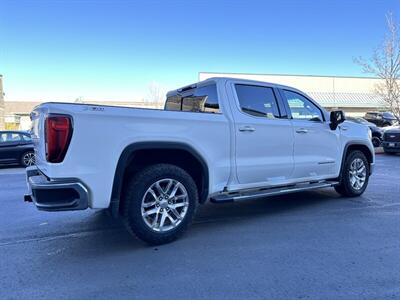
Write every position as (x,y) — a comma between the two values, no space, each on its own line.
(260,193)
(39,183)
(283,191)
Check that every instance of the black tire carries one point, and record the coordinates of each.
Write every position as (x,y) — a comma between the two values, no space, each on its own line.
(376,141)
(345,187)
(136,190)
(25,161)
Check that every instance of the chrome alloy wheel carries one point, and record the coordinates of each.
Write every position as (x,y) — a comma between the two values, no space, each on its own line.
(164,205)
(29,159)
(358,174)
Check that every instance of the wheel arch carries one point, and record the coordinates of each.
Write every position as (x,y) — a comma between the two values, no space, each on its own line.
(377,134)
(356,146)
(160,152)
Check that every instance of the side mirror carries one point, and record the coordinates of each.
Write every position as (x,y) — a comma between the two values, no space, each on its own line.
(337,117)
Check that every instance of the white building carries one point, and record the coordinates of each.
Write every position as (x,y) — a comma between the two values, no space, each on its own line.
(354,95)
(1,104)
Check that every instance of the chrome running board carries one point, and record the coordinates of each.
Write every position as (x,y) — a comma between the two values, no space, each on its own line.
(265,192)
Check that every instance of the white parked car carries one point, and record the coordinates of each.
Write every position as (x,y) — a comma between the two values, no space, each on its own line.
(218,140)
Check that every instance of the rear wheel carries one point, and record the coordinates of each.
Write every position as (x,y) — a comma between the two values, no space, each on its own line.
(159,203)
(28,159)
(355,175)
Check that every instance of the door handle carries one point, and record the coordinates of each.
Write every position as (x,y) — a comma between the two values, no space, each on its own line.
(301,130)
(344,128)
(247,128)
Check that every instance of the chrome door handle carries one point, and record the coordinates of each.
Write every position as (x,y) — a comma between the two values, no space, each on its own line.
(344,128)
(301,130)
(247,128)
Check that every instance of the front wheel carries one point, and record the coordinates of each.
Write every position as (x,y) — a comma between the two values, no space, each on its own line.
(159,203)
(376,141)
(354,176)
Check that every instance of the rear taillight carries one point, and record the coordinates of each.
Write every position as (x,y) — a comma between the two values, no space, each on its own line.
(58,133)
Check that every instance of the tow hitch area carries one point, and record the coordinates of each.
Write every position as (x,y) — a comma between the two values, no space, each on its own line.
(28,198)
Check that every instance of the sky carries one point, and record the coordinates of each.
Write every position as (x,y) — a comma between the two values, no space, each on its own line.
(113,50)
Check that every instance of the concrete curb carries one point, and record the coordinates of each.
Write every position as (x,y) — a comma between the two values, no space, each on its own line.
(379,150)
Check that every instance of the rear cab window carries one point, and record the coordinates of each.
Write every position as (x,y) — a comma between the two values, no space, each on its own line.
(203,99)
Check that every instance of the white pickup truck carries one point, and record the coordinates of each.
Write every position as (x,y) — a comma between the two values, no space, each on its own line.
(219,140)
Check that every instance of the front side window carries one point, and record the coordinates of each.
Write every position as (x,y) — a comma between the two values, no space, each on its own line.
(257,101)
(388,115)
(301,108)
(201,99)
(7,137)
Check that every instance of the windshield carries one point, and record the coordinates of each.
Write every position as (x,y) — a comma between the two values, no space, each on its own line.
(389,115)
(362,121)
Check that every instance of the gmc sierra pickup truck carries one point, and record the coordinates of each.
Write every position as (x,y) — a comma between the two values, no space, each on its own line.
(219,140)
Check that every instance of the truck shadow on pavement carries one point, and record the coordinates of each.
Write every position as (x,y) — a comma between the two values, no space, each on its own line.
(112,236)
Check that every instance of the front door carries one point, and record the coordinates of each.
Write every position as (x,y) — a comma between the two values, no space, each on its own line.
(316,147)
(264,137)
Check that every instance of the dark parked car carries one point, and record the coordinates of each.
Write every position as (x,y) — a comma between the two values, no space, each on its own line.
(16,148)
(381,119)
(377,133)
(391,141)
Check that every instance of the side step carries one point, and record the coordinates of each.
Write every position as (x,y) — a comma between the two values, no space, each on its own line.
(265,192)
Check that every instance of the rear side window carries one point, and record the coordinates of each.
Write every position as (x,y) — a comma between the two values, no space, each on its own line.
(201,99)
(257,101)
(26,138)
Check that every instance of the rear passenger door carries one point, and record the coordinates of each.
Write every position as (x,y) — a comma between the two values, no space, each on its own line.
(264,136)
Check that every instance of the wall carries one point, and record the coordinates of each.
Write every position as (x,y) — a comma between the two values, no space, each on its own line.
(324,84)
(2,125)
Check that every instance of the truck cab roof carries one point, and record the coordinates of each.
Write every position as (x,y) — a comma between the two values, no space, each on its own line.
(219,80)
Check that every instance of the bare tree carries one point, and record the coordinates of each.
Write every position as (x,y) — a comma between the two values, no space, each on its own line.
(385,64)
(79,100)
(155,94)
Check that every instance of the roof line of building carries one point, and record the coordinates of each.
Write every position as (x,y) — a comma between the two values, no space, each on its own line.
(290,75)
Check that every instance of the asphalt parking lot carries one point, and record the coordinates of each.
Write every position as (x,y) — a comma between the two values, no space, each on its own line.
(311,245)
